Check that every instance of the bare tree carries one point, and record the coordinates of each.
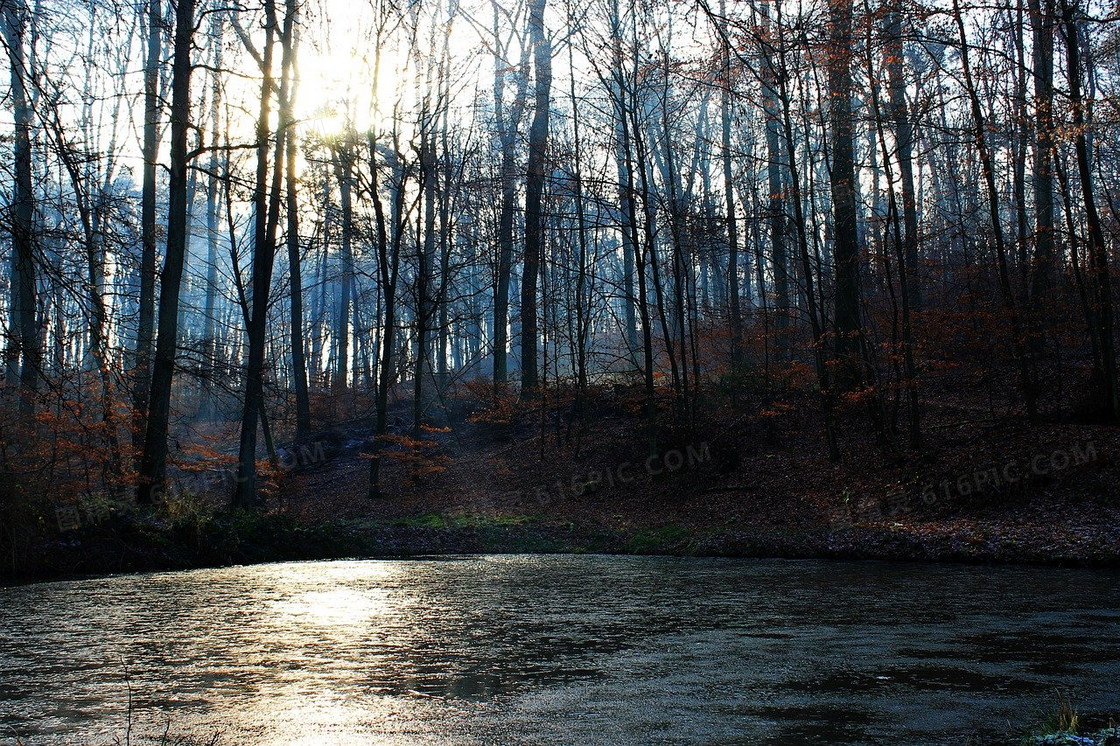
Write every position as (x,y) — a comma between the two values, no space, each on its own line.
(534,189)
(153,464)
(149,251)
(22,354)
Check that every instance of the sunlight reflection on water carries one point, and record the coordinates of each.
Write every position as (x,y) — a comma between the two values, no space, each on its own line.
(561,649)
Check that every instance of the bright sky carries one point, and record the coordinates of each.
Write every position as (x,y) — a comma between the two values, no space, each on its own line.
(338,54)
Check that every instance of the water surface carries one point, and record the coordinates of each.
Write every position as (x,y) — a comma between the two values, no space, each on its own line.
(556,649)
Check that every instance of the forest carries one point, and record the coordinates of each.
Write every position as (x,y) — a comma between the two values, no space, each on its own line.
(302,278)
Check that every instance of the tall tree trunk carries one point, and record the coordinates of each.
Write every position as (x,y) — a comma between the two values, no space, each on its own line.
(1020,143)
(892,231)
(153,463)
(776,208)
(988,174)
(344,170)
(729,201)
(904,153)
(295,275)
(816,314)
(1108,400)
(142,381)
(320,313)
(208,405)
(534,190)
(443,288)
(582,322)
(1041,13)
(507,124)
(842,184)
(265,206)
(23,351)
(425,257)
(629,250)
(624,104)
(388,264)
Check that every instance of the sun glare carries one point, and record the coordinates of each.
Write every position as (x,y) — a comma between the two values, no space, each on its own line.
(353,77)
(338,88)
(336,91)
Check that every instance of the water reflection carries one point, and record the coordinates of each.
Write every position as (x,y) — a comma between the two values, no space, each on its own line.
(556,649)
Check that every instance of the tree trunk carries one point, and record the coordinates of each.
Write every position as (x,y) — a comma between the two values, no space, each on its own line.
(344,170)
(265,204)
(816,314)
(388,263)
(148,248)
(534,190)
(904,149)
(729,202)
(507,124)
(842,184)
(208,405)
(1042,65)
(1108,401)
(893,233)
(988,174)
(295,276)
(776,208)
(23,351)
(153,463)
(425,256)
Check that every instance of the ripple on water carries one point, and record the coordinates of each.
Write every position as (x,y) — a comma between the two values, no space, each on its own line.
(557,649)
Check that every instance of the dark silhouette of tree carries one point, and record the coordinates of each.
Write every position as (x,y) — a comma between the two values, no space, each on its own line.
(153,464)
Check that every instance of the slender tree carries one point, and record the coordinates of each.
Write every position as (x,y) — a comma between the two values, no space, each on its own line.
(149,250)
(507,123)
(265,217)
(153,464)
(842,184)
(534,191)
(1102,319)
(291,191)
(23,354)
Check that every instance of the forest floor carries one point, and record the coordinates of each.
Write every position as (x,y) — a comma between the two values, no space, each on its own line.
(753,480)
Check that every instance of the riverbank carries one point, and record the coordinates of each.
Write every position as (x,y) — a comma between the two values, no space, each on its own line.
(979,491)
(142,543)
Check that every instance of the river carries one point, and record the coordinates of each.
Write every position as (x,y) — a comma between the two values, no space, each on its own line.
(556,649)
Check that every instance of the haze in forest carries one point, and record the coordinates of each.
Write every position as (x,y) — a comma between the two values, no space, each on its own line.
(393,232)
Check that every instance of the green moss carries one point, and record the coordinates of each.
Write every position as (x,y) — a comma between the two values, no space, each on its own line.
(661,540)
(460,520)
